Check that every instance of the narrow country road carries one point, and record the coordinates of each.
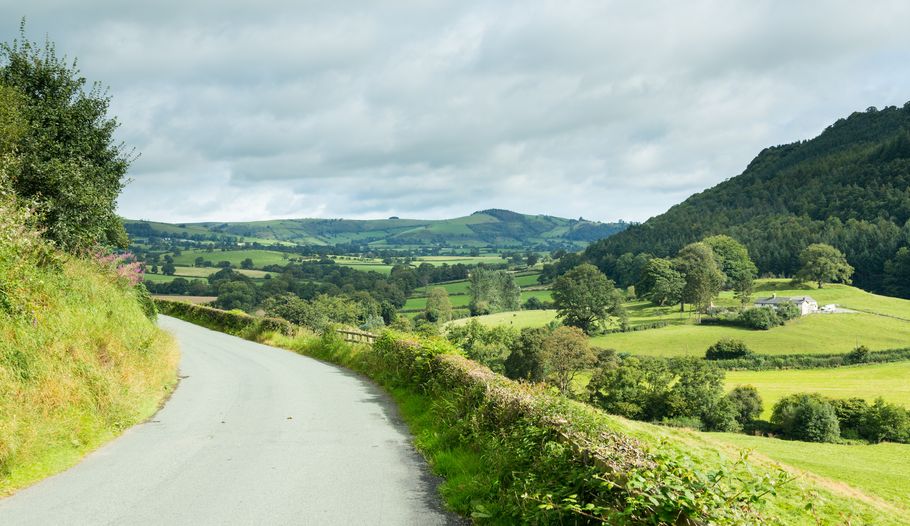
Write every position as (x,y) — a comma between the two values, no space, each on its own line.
(252,435)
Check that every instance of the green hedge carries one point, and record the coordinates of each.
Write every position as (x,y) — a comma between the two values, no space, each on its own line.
(763,362)
(235,323)
(554,460)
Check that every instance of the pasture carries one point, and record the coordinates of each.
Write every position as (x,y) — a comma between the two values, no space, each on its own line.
(891,381)
(260,258)
(878,470)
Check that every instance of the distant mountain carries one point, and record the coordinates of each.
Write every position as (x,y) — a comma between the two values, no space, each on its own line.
(849,187)
(495,228)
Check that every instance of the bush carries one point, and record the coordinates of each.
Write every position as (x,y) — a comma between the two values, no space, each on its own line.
(747,403)
(808,417)
(727,349)
(885,422)
(760,318)
(858,355)
(787,312)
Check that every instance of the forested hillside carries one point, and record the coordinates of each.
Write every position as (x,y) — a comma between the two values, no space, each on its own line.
(849,187)
(486,228)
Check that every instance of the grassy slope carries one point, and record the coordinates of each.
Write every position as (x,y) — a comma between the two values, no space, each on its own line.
(81,365)
(880,469)
(260,257)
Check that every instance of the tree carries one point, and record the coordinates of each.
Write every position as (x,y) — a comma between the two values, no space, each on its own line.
(439,308)
(747,403)
(168,269)
(566,352)
(526,361)
(822,264)
(897,274)
(246,263)
(733,259)
(806,417)
(199,261)
(493,291)
(584,297)
(884,421)
(697,263)
(531,259)
(71,169)
(660,283)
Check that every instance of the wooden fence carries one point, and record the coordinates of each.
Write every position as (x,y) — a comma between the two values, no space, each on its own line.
(357,336)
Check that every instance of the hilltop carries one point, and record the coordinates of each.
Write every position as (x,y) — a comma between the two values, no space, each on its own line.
(848,187)
(485,228)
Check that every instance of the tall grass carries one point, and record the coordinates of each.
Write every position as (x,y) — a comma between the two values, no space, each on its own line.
(79,360)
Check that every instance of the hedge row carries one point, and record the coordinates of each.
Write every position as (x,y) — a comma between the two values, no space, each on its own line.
(764,362)
(559,461)
(231,322)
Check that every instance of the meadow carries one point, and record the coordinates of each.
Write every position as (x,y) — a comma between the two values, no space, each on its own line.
(879,470)
(260,258)
(891,381)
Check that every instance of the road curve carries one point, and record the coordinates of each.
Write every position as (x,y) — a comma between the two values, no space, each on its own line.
(252,435)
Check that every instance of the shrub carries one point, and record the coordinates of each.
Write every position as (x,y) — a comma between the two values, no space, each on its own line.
(787,312)
(808,417)
(727,349)
(526,362)
(747,403)
(858,355)
(760,318)
(885,422)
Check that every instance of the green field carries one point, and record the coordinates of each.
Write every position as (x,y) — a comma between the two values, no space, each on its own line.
(191,273)
(891,381)
(880,470)
(517,319)
(366,266)
(464,260)
(260,258)
(814,334)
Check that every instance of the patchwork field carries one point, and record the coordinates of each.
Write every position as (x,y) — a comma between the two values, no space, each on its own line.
(879,470)
(191,273)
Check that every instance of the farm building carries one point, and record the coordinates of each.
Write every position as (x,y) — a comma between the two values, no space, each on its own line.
(805,304)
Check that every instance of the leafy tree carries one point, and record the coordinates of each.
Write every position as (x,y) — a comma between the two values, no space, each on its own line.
(747,403)
(493,291)
(531,259)
(566,352)
(850,414)
(236,295)
(489,346)
(13,125)
(697,264)
(71,169)
(168,269)
(660,283)
(886,422)
(733,259)
(198,262)
(246,263)
(526,361)
(439,308)
(808,417)
(822,264)
(584,297)
(897,274)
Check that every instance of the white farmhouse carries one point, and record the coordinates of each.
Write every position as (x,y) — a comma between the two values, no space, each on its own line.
(805,304)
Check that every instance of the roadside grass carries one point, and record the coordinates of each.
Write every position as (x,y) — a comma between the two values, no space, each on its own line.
(197,300)
(79,368)
(472,465)
(882,469)
(890,381)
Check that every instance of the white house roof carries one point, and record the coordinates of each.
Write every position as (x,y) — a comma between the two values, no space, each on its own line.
(779,300)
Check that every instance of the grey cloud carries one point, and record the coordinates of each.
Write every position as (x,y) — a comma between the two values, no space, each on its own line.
(601,109)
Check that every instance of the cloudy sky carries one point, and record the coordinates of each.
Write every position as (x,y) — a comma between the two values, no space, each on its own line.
(602,109)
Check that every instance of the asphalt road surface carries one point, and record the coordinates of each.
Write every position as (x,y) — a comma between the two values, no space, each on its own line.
(252,435)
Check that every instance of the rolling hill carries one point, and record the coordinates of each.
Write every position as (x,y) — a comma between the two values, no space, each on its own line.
(486,228)
(848,187)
